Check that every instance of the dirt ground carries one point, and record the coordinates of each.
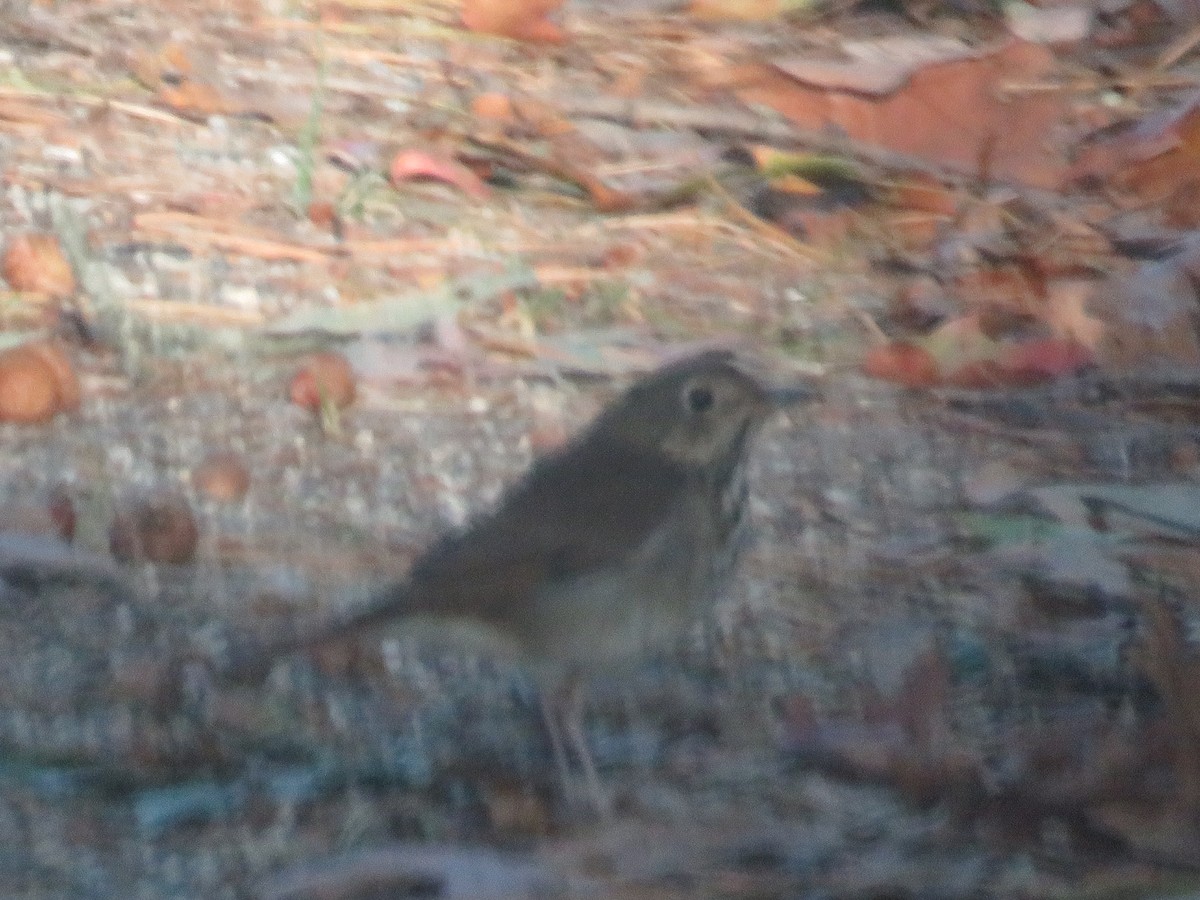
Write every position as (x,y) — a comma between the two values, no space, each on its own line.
(961,659)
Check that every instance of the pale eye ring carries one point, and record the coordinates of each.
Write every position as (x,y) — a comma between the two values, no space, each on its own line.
(699,398)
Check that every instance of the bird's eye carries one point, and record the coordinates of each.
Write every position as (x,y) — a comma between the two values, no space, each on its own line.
(699,398)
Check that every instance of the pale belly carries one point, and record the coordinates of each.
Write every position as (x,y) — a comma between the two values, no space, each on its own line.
(606,620)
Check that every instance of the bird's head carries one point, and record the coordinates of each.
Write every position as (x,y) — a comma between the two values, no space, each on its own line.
(699,410)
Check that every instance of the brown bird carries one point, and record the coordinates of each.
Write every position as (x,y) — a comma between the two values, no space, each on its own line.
(609,548)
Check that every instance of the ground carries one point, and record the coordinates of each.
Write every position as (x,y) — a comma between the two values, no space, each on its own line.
(959,660)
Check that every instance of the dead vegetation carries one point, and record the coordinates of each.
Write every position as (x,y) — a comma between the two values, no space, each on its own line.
(964,658)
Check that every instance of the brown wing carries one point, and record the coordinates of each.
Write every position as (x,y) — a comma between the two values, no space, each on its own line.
(576,512)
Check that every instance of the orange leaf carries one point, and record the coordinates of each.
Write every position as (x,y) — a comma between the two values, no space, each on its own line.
(37,381)
(1156,158)
(923,193)
(902,363)
(194,99)
(493,105)
(416,164)
(523,20)
(35,262)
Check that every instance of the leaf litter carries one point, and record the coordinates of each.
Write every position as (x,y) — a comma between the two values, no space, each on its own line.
(963,658)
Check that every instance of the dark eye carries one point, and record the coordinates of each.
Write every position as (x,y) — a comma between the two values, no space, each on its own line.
(699,398)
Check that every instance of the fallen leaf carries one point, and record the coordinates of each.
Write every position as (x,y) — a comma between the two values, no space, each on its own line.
(1155,158)
(1043,359)
(495,106)
(418,164)
(902,363)
(66,381)
(923,193)
(195,99)
(36,263)
(1149,317)
(522,20)
(1174,667)
(931,97)
(223,477)
(325,379)
(159,528)
(37,381)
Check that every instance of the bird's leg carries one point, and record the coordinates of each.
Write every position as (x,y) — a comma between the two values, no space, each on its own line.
(577,736)
(563,716)
(554,731)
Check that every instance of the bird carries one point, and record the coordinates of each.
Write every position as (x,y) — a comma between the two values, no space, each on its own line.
(608,549)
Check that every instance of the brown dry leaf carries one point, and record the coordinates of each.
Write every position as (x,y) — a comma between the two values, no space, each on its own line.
(147,68)
(918,306)
(930,97)
(963,353)
(15,112)
(35,262)
(323,214)
(816,226)
(1000,292)
(222,476)
(1071,246)
(160,528)
(195,99)
(541,118)
(174,57)
(923,193)
(494,106)
(1157,158)
(1042,359)
(920,706)
(1138,24)
(169,72)
(905,740)
(37,381)
(522,20)
(1182,209)
(913,231)
(66,381)
(1022,364)
(1165,657)
(28,393)
(325,378)
(152,66)
(1168,560)
(1150,319)
(902,363)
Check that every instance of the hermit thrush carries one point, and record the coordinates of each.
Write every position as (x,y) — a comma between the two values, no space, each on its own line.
(608,548)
